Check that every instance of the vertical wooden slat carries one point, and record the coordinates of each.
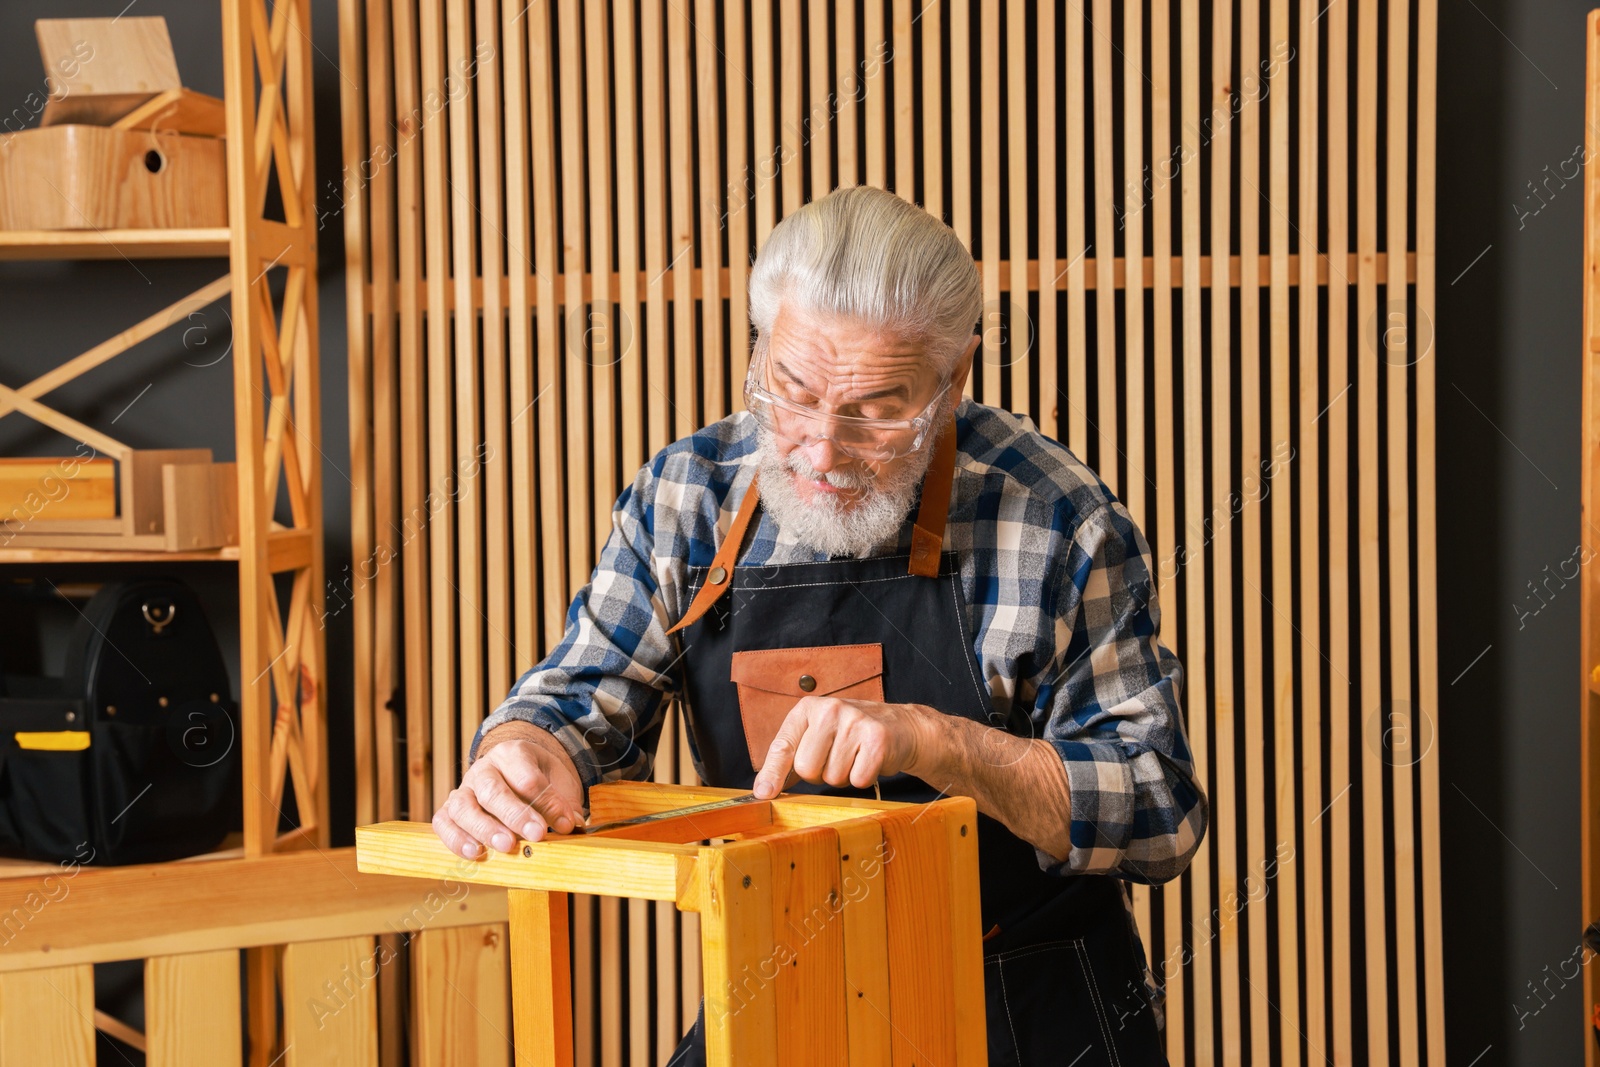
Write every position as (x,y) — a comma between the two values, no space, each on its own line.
(47,1016)
(384,414)
(1308,463)
(469,357)
(1397,353)
(1193,535)
(575,250)
(905,128)
(1427,526)
(993,323)
(738,180)
(850,74)
(1250,201)
(764,97)
(875,50)
(713,384)
(488,51)
(359,358)
(1045,94)
(1281,604)
(792,134)
(1222,933)
(866,941)
(329,1005)
(520,371)
(741,1022)
(935,119)
(546,223)
(1105,239)
(192,1010)
(809,988)
(441,540)
(1077,249)
(1340,949)
(1163,174)
(1374,861)
(961,154)
(1016,320)
(824,100)
(541,988)
(461,1000)
(413,415)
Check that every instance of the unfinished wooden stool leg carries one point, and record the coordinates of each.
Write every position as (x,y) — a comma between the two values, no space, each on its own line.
(541,980)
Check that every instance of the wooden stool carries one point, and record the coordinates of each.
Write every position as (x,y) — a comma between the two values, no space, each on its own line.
(833,930)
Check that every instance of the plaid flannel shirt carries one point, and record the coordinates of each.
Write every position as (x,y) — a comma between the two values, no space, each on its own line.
(1061,593)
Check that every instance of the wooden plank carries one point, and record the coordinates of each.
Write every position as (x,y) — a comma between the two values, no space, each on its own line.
(1308,632)
(47,1016)
(793,134)
(413,416)
(1105,237)
(174,909)
(330,1003)
(469,358)
(823,101)
(523,635)
(1427,524)
(741,1010)
(192,1010)
(875,94)
(922,980)
(1078,246)
(1018,322)
(1048,415)
(1400,717)
(541,984)
(905,128)
(738,206)
(935,118)
(1284,711)
(384,629)
(1341,844)
(1222,933)
(989,356)
(494,580)
(1193,537)
(440,412)
(866,941)
(960,145)
(1374,855)
(764,104)
(462,995)
(806,959)
(966,931)
(546,223)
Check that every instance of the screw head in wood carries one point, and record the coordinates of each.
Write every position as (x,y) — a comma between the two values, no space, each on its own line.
(527,850)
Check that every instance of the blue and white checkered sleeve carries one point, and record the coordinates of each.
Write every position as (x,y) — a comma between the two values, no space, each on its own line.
(601,690)
(1113,707)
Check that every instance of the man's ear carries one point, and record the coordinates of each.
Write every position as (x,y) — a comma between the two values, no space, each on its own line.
(958,378)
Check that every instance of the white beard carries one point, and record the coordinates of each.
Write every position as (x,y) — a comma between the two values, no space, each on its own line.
(823,523)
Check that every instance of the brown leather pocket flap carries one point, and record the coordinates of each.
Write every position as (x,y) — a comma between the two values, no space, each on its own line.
(789,670)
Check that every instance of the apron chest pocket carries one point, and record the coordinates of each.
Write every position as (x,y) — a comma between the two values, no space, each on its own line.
(772,681)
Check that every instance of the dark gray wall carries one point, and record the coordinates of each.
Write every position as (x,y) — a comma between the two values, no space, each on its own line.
(1511,104)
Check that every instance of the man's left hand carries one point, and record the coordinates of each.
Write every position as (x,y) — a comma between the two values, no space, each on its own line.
(848,742)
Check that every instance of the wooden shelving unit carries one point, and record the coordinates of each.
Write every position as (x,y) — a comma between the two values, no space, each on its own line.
(113,244)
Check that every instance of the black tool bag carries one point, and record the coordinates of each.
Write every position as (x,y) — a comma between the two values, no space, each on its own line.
(133,755)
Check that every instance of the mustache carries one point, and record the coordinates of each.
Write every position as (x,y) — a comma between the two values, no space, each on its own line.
(839,479)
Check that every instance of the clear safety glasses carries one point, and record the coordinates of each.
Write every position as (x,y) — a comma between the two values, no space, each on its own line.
(873,440)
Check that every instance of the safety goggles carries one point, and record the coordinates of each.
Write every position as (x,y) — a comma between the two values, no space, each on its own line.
(873,440)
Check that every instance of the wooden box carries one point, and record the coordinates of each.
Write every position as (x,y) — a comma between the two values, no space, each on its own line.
(100,69)
(93,177)
(60,487)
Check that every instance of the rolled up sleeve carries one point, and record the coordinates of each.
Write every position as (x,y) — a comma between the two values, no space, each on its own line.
(602,690)
(1113,711)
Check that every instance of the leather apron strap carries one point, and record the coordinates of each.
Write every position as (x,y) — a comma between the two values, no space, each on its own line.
(927,538)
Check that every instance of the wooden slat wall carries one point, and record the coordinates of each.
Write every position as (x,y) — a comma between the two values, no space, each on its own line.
(1245,187)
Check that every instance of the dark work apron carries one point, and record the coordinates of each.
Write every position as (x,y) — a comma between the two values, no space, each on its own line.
(1062,975)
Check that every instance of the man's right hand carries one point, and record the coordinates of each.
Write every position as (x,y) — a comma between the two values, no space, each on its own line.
(518,788)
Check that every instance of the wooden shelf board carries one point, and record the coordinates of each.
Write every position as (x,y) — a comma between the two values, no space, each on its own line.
(114,244)
(287,550)
(231,848)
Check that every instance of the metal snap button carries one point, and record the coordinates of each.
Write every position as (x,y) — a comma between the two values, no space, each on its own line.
(717,576)
(807,682)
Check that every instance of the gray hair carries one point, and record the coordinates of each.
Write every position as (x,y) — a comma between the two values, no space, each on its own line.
(866,254)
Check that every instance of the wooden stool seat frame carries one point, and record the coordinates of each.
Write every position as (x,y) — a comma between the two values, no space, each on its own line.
(833,930)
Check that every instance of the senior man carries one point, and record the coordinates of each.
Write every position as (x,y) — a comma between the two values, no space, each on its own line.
(926,596)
